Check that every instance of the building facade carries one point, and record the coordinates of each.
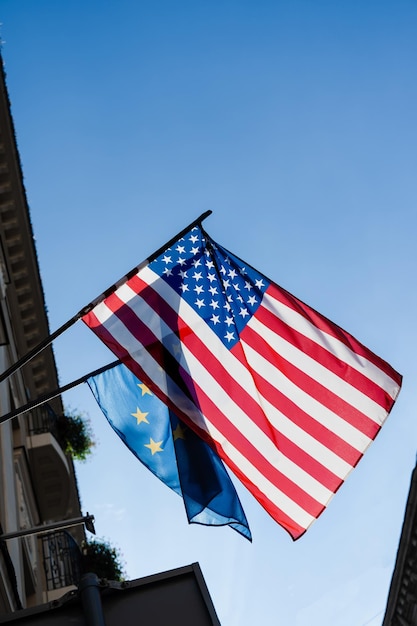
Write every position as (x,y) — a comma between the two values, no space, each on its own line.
(401,607)
(37,479)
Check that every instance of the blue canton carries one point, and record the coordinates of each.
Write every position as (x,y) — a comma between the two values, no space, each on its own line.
(214,282)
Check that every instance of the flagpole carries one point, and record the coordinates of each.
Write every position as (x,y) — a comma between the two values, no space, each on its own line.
(48,340)
(54,394)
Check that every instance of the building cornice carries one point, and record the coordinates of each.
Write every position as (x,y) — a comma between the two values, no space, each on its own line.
(20,267)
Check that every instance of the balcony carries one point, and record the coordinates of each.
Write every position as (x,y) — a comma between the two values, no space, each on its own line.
(50,468)
(62,562)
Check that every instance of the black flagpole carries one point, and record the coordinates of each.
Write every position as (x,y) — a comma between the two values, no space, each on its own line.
(48,340)
(53,394)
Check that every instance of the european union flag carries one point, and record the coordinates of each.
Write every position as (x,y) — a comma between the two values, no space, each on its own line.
(169,449)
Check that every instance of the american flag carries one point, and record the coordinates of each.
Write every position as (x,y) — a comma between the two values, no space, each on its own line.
(288,399)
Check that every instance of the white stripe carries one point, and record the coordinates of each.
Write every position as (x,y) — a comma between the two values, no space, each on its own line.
(336,347)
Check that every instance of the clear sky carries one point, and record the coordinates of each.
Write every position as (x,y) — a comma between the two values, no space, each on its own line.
(295,122)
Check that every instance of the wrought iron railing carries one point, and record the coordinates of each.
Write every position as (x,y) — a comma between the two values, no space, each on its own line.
(62,560)
(43,419)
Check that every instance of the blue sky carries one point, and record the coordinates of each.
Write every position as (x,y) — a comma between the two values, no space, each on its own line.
(294,122)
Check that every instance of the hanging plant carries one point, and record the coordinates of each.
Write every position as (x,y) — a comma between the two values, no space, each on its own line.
(76,436)
(100,558)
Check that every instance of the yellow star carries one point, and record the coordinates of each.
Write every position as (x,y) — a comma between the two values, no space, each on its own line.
(144,389)
(179,432)
(154,446)
(140,417)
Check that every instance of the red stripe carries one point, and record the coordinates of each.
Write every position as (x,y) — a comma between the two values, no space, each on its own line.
(311,386)
(107,338)
(327,326)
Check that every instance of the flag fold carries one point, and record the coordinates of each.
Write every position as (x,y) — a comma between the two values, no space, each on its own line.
(288,400)
(169,449)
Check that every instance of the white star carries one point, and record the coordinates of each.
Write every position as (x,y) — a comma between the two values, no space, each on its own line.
(213,290)
(214,304)
(229,336)
(199,289)
(195,250)
(211,277)
(239,297)
(252,300)
(183,273)
(259,283)
(226,284)
(242,270)
(197,276)
(215,319)
(180,249)
(194,238)
(227,306)
(223,270)
(236,287)
(184,287)
(197,262)
(209,264)
(232,274)
(166,259)
(167,271)
(199,303)
(229,321)
(248,286)
(181,261)
(243,312)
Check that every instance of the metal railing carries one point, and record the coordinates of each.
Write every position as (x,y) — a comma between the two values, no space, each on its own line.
(62,560)
(43,419)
